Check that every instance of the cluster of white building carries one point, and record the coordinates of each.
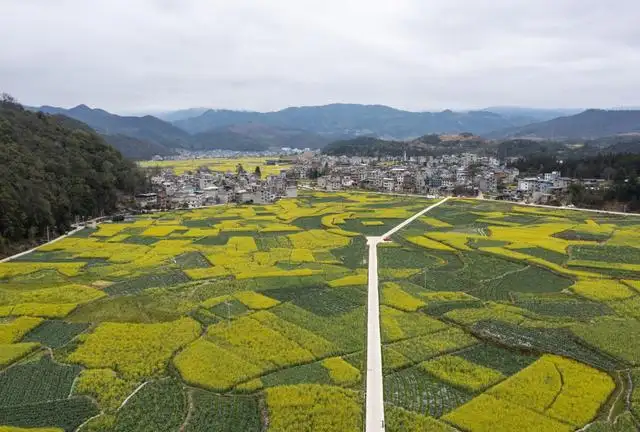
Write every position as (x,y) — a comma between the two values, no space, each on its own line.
(204,187)
(422,175)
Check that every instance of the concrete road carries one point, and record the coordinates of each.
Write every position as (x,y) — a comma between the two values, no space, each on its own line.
(374,417)
(375,396)
(18,255)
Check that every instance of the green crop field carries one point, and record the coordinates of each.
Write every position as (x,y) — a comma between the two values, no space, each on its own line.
(225,315)
(494,316)
(536,288)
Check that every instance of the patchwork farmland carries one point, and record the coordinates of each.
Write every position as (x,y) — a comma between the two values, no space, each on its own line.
(494,317)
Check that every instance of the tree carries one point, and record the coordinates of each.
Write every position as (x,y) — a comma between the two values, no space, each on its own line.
(55,170)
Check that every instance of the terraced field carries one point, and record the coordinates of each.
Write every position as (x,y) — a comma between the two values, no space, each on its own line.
(231,318)
(540,309)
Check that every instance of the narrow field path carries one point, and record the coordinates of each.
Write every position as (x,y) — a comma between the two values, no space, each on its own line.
(374,417)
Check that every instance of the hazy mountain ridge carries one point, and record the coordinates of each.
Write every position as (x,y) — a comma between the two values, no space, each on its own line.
(355,119)
(316,126)
(589,124)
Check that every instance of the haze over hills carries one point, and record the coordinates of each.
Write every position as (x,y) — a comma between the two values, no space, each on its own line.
(537,114)
(355,119)
(316,126)
(589,124)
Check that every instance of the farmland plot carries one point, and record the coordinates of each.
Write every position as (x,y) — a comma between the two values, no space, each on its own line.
(533,285)
(239,314)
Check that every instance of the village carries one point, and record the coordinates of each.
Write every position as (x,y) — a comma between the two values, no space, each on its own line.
(465,174)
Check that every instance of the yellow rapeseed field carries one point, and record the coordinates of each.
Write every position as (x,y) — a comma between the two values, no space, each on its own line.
(207,365)
(105,386)
(462,373)
(394,296)
(12,352)
(14,330)
(135,350)
(341,372)
(602,289)
(314,408)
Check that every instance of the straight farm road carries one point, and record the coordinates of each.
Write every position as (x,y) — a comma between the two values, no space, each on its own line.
(374,416)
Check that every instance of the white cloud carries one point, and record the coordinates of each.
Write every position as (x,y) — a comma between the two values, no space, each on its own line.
(245,54)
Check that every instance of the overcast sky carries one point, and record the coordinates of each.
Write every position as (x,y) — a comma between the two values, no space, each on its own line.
(137,55)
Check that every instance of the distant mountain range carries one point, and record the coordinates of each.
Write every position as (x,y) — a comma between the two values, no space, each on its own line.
(316,126)
(144,137)
(358,120)
(589,124)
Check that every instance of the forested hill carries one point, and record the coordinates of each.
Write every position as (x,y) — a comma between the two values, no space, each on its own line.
(54,168)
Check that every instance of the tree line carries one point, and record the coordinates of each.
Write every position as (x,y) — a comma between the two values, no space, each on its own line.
(620,170)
